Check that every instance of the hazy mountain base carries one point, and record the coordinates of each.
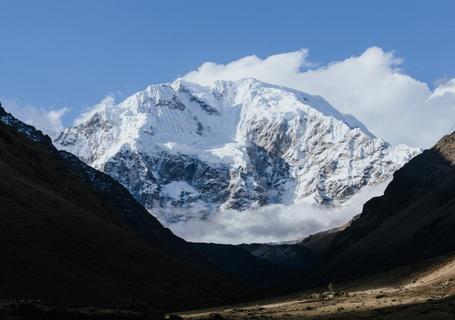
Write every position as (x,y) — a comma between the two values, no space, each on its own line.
(273,268)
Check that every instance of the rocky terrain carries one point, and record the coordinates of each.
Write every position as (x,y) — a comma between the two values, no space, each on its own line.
(185,151)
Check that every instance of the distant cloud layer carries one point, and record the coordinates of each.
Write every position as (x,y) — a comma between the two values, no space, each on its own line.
(47,120)
(371,86)
(273,223)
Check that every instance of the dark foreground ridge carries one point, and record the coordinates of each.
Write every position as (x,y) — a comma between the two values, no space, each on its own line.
(413,221)
(72,236)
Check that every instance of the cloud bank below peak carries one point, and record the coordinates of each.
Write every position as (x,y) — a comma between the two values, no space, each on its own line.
(273,223)
(371,86)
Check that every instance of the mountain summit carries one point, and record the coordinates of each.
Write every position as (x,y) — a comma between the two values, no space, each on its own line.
(185,150)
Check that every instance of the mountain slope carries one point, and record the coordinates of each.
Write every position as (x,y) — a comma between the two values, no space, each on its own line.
(139,220)
(64,241)
(413,221)
(184,150)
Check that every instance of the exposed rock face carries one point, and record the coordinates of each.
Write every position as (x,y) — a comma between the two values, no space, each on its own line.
(184,150)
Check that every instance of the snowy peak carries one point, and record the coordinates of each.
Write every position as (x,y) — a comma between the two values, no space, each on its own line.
(186,150)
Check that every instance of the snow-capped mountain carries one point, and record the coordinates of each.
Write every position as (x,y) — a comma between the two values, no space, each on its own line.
(185,150)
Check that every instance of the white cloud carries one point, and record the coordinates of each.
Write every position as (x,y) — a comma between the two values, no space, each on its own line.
(107,102)
(445,88)
(48,121)
(279,67)
(272,223)
(370,86)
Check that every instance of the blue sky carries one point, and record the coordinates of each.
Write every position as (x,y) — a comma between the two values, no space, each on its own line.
(72,53)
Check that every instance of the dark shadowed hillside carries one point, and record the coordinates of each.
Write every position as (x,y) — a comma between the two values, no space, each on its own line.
(414,220)
(272,267)
(139,220)
(70,235)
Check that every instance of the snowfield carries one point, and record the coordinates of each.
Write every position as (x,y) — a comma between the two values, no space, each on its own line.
(186,151)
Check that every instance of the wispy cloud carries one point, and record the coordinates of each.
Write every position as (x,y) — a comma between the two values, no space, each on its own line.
(47,120)
(101,107)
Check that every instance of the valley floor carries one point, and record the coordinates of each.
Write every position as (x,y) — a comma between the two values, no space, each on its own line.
(428,294)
